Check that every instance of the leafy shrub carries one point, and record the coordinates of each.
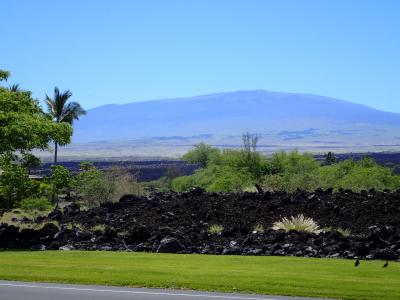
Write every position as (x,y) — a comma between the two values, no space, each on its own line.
(201,178)
(291,182)
(229,179)
(298,223)
(93,185)
(14,183)
(293,162)
(216,229)
(358,175)
(60,178)
(201,154)
(252,163)
(239,170)
(60,181)
(39,204)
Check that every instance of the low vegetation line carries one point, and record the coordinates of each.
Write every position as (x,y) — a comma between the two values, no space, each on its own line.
(328,278)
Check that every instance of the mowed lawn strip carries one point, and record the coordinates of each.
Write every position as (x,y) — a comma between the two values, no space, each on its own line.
(329,278)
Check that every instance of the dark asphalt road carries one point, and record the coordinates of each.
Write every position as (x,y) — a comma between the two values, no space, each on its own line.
(12,290)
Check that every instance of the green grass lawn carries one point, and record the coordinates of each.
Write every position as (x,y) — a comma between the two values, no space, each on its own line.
(330,278)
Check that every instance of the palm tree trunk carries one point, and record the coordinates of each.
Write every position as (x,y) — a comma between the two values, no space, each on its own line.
(53,195)
(55,152)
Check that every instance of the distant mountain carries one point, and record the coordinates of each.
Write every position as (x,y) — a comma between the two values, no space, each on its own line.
(258,111)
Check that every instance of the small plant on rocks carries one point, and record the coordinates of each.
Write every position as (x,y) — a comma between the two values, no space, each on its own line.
(216,229)
(98,227)
(298,223)
(343,231)
(258,228)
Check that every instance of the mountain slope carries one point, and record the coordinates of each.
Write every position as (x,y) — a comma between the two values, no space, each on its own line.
(229,114)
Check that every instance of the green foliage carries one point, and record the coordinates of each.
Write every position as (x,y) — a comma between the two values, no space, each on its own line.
(30,161)
(14,182)
(358,175)
(39,204)
(229,170)
(201,178)
(94,186)
(86,166)
(238,170)
(230,179)
(330,158)
(290,182)
(24,126)
(247,160)
(293,163)
(201,154)
(60,178)
(252,164)
(301,171)
(4,75)
(62,112)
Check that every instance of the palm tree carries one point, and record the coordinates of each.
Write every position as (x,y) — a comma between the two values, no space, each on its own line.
(61,111)
(14,88)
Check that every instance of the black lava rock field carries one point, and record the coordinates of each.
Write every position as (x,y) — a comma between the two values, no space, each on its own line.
(181,222)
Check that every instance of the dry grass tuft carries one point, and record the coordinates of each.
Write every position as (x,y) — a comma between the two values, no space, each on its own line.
(298,223)
(216,229)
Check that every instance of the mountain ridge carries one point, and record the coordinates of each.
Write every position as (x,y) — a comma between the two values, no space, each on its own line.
(230,113)
(191,98)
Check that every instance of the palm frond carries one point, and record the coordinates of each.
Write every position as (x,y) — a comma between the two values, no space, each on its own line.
(60,100)
(72,111)
(62,111)
(14,88)
(50,106)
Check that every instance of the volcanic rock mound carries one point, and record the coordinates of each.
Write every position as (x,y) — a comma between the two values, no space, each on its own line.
(180,223)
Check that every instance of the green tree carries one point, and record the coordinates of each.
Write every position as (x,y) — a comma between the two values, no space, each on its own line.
(4,75)
(23,127)
(201,154)
(23,124)
(93,185)
(62,112)
(14,88)
(60,180)
(330,158)
(14,182)
(30,161)
(292,171)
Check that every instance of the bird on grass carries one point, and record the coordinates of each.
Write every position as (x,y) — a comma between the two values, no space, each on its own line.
(386,264)
(357,263)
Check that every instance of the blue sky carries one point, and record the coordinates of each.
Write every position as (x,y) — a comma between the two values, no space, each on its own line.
(126,51)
